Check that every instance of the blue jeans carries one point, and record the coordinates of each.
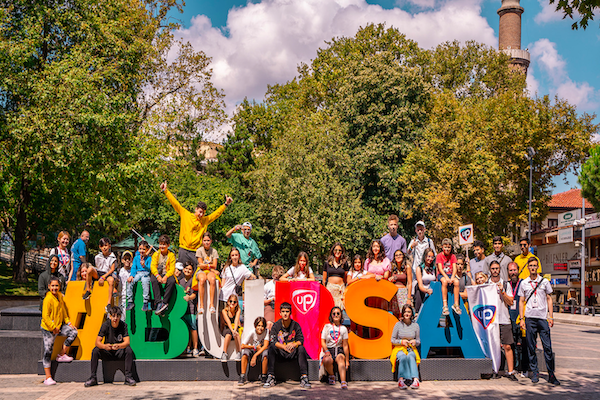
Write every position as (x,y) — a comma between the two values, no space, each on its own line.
(407,365)
(533,327)
(144,276)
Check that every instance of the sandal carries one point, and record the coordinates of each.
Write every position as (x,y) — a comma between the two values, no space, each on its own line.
(445,310)
(456,309)
(332,379)
(200,311)
(344,385)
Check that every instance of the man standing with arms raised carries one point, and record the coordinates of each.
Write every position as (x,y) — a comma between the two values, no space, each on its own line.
(535,310)
(193,225)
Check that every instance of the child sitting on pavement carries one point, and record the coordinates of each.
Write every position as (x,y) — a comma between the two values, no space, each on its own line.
(254,348)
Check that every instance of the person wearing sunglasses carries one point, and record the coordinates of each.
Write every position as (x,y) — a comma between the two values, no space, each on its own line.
(335,270)
(231,329)
(523,258)
(334,343)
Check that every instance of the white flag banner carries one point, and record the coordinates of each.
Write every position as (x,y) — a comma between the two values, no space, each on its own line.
(483,302)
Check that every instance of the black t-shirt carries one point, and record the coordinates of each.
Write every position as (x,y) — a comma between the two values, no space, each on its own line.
(281,334)
(113,335)
(340,271)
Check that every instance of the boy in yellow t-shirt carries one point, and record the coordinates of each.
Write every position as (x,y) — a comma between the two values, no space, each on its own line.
(524,257)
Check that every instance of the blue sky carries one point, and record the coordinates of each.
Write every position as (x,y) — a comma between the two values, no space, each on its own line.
(257,43)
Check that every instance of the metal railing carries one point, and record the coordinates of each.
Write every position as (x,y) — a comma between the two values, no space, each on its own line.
(34,260)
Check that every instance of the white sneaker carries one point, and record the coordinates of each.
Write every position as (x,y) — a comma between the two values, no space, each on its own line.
(195,353)
(64,358)
(49,381)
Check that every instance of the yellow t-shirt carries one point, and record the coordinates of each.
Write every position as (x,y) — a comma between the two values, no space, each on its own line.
(522,263)
(192,228)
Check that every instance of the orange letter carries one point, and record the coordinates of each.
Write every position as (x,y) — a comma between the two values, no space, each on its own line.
(94,312)
(359,313)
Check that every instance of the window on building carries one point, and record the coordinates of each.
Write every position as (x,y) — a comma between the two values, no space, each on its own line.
(552,223)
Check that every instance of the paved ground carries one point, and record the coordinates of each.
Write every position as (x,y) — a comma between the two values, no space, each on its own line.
(577,351)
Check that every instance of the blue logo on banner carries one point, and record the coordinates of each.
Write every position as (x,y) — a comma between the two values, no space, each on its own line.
(484,314)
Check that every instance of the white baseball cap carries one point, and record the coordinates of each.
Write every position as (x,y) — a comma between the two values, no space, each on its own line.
(420,223)
(179,266)
(247,224)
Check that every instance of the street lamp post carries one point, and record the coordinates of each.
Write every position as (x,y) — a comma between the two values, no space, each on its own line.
(530,154)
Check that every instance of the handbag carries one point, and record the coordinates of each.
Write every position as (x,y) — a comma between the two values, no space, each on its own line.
(238,288)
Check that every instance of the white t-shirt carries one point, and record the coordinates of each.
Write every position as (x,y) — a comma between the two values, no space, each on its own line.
(503,315)
(334,335)
(123,275)
(103,263)
(255,339)
(240,273)
(270,289)
(427,278)
(356,274)
(301,274)
(537,306)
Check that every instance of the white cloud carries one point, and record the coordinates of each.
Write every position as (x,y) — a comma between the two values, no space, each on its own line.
(266,41)
(553,67)
(548,13)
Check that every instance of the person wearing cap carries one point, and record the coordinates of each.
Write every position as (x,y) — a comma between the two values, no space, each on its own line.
(193,225)
(417,247)
(178,270)
(124,273)
(249,251)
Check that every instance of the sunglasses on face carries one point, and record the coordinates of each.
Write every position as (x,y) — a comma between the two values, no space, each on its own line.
(335,314)
(232,302)
(523,245)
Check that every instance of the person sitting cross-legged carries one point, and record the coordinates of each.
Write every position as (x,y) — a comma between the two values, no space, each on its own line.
(287,343)
(115,347)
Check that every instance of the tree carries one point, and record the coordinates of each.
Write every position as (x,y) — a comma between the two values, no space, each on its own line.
(307,192)
(589,178)
(471,167)
(585,9)
(86,92)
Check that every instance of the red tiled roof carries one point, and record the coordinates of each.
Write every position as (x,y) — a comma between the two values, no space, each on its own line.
(568,200)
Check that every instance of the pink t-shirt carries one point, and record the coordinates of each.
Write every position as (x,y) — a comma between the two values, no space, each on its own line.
(378,268)
(446,262)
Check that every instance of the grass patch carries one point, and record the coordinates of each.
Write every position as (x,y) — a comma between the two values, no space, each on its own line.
(8,287)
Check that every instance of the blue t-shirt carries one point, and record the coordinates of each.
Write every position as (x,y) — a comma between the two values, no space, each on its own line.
(79,249)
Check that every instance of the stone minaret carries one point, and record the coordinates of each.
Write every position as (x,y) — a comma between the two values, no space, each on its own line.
(510,34)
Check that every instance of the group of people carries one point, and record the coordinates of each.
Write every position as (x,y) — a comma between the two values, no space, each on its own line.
(524,295)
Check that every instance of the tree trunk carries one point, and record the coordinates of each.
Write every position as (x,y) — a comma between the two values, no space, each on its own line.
(19,272)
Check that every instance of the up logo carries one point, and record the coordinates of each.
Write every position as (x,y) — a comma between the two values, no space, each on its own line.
(304,299)
(484,314)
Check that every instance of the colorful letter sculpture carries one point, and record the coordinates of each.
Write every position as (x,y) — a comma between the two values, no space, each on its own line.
(358,312)
(311,303)
(93,312)
(157,337)
(254,305)
(458,333)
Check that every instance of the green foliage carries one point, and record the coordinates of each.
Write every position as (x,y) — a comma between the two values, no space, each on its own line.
(85,92)
(585,9)
(471,165)
(589,178)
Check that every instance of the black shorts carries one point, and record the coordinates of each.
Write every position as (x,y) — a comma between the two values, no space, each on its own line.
(506,334)
(184,256)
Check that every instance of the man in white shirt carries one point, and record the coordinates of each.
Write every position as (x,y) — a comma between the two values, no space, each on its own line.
(505,300)
(535,310)
(416,248)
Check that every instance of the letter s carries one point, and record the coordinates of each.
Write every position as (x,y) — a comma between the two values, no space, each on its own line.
(359,313)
